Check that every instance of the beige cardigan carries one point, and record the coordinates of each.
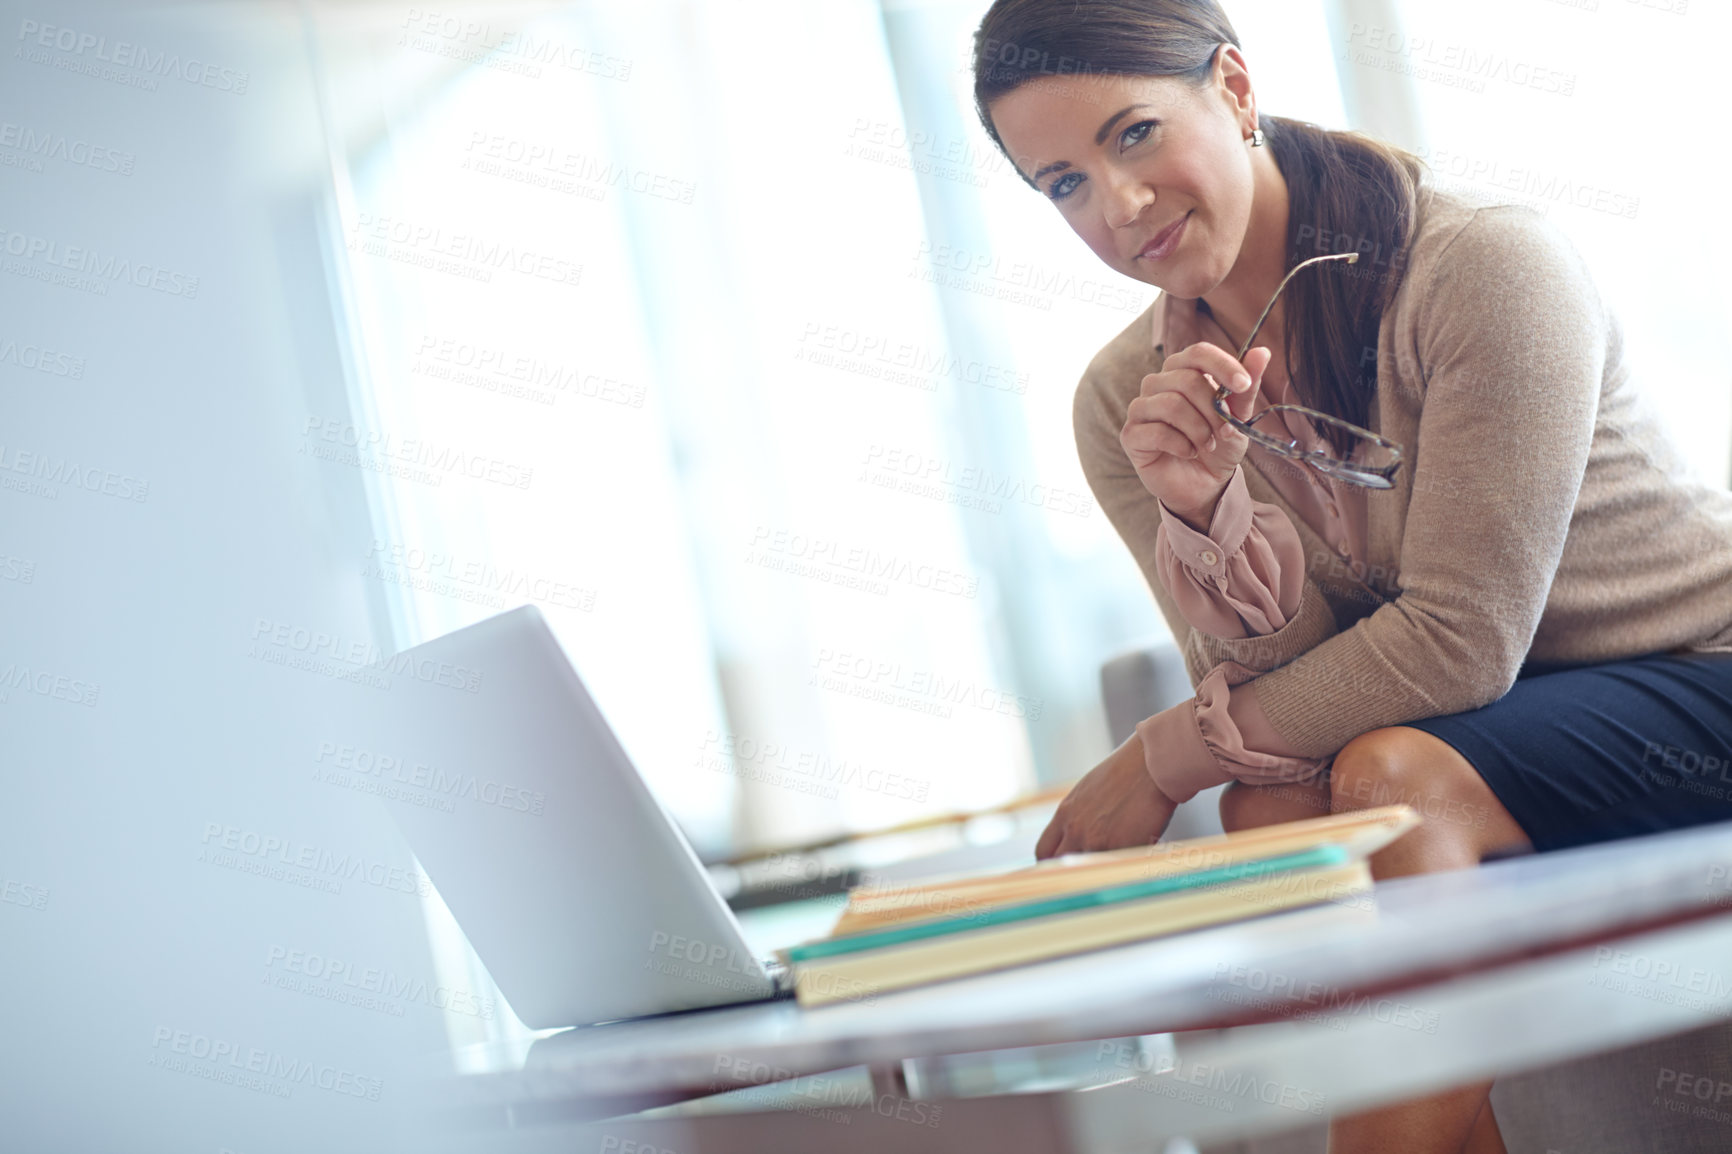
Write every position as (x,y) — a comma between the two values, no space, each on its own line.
(1540,512)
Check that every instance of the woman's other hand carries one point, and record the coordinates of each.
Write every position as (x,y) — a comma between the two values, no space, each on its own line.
(1183,450)
(1116,804)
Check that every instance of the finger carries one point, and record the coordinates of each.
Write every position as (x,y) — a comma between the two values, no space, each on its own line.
(1216,361)
(1200,387)
(1157,437)
(1050,837)
(1179,411)
(1214,368)
(1257,361)
(1201,398)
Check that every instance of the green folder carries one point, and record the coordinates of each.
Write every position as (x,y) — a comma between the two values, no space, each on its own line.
(1324,855)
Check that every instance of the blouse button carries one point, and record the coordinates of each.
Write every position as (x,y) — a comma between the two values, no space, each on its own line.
(1209,556)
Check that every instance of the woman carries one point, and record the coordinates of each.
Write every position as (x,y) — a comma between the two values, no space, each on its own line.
(1528,636)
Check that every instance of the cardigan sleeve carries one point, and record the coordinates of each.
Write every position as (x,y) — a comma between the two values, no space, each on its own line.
(1511,339)
(1241,578)
(1221,735)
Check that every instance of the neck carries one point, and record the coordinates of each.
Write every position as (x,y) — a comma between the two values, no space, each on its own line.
(1238,300)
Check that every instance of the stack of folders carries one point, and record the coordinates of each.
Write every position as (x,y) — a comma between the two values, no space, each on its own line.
(889,938)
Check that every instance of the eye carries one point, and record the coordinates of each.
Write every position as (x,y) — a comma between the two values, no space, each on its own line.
(1130,137)
(1059,189)
(1137,132)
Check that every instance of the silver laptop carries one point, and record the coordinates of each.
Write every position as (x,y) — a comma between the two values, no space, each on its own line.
(571,881)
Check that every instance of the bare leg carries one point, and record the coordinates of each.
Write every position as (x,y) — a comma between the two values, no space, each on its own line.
(1463,821)
(1484,1137)
(1248,806)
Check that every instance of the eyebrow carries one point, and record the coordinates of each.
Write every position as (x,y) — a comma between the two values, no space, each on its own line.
(1100,138)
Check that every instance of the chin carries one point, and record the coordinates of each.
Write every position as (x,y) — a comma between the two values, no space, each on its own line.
(1185,285)
(1168,280)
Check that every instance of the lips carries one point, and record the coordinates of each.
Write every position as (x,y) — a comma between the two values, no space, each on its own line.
(1162,244)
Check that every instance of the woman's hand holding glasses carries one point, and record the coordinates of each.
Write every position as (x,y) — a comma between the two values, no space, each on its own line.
(1184,451)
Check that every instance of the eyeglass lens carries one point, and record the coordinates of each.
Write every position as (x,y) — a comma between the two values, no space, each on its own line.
(1366,458)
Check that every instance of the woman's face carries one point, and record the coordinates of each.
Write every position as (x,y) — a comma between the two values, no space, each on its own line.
(1123,158)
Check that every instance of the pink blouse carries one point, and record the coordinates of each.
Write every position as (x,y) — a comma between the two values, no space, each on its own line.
(1243,578)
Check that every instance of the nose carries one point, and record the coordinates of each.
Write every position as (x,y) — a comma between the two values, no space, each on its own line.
(1126,198)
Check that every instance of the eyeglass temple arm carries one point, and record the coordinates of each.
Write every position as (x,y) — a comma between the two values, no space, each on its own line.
(1349,257)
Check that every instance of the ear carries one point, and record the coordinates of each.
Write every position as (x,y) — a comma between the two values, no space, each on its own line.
(1233,79)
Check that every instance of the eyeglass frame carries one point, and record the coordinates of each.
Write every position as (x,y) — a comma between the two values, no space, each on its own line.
(1366,476)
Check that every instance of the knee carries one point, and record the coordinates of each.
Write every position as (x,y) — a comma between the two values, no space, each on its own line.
(1381,767)
(1239,808)
(1245,806)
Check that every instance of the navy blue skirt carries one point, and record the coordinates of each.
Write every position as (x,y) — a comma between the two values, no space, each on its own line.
(1589,753)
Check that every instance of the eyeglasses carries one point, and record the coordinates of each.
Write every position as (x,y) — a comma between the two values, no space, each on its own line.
(1373,460)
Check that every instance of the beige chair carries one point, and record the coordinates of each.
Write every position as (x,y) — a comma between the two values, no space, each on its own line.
(1619,1102)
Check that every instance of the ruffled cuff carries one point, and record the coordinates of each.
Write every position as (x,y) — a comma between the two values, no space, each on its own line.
(1240,739)
(1175,756)
(1244,577)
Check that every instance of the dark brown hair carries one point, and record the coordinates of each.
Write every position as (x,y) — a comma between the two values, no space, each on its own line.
(1346,191)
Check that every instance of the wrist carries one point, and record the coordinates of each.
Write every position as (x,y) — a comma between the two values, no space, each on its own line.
(1176,758)
(1200,517)
(1137,750)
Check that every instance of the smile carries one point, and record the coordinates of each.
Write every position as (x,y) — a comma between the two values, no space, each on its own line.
(1161,246)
